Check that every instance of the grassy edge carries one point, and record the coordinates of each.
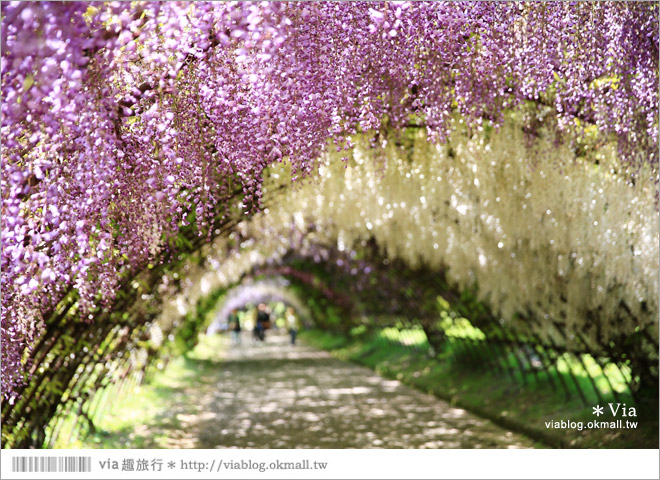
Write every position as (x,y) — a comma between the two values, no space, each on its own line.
(537,434)
(412,368)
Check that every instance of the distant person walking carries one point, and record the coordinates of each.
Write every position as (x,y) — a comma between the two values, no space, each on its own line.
(235,327)
(292,324)
(263,322)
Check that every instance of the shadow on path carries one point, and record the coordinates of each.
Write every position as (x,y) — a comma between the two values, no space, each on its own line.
(275,395)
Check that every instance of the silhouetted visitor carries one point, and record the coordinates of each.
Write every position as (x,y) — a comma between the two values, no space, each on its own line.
(292,324)
(235,327)
(263,322)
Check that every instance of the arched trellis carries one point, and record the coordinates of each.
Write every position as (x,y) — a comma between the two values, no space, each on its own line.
(404,295)
(411,296)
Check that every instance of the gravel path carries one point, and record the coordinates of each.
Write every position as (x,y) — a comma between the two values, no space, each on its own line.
(275,395)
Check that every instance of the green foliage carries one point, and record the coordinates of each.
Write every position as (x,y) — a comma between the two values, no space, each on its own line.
(488,395)
(149,403)
(186,336)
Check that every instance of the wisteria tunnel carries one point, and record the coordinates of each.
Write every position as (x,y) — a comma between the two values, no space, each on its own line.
(462,197)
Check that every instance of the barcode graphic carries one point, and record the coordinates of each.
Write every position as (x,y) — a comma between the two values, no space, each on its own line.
(51,464)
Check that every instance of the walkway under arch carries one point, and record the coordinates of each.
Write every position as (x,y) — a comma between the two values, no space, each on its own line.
(275,395)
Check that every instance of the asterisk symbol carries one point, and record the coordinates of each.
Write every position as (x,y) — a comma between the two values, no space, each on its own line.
(597,410)
(171,464)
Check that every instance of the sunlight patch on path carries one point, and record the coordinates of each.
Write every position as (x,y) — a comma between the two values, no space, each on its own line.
(275,395)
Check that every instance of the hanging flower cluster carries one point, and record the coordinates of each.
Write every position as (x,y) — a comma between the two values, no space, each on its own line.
(121,121)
